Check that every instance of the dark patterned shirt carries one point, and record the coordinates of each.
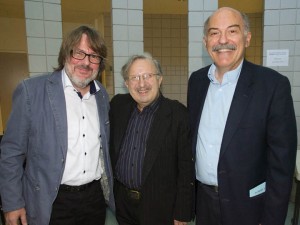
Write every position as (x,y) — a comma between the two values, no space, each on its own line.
(130,163)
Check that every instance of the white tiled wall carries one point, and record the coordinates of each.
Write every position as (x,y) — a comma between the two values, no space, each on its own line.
(198,11)
(281,31)
(127,29)
(44,34)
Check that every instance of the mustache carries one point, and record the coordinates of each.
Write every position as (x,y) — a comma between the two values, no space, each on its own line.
(143,89)
(86,67)
(221,47)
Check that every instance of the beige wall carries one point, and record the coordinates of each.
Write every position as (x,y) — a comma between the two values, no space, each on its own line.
(165,37)
(253,6)
(1,125)
(14,68)
(13,56)
(109,61)
(165,6)
(12,35)
(255,50)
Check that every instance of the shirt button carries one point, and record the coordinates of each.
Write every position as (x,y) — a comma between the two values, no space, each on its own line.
(83,135)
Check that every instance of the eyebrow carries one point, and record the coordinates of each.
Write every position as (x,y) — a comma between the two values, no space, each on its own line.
(80,50)
(231,26)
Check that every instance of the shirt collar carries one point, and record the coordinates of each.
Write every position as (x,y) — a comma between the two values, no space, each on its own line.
(229,77)
(94,87)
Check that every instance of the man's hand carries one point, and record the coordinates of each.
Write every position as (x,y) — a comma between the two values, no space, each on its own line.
(13,217)
(176,222)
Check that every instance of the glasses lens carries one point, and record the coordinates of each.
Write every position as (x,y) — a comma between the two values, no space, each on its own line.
(95,59)
(144,76)
(147,76)
(78,55)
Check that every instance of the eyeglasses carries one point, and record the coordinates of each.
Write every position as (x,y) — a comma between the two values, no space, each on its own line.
(80,55)
(145,76)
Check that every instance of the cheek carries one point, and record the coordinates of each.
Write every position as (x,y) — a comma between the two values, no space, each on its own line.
(69,68)
(95,66)
(210,43)
(72,61)
(131,88)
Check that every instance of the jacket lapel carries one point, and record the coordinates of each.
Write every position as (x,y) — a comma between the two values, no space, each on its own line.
(58,105)
(102,107)
(199,100)
(121,125)
(155,139)
(240,101)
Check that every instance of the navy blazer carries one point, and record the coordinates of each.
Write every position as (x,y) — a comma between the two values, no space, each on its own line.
(259,144)
(168,173)
(37,131)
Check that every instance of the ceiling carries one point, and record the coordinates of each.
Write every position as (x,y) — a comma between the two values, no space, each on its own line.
(73,10)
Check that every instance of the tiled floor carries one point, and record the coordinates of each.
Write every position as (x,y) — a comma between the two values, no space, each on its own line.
(289,217)
(112,221)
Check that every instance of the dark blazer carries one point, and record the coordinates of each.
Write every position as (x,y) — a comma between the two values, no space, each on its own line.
(259,144)
(168,173)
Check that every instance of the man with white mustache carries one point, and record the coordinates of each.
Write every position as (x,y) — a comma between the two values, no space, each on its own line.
(244,130)
(150,150)
(59,129)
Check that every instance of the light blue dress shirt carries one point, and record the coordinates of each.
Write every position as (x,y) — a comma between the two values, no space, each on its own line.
(212,124)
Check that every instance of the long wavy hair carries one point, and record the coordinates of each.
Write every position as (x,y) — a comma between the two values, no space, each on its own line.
(73,39)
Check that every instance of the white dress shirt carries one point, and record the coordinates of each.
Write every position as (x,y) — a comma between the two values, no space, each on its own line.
(84,139)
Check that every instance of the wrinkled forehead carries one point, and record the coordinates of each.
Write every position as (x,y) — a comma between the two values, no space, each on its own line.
(142,63)
(225,17)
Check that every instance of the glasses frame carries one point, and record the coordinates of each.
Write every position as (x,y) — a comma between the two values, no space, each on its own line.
(145,76)
(85,55)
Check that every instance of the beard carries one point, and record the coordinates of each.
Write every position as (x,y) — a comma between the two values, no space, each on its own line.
(80,83)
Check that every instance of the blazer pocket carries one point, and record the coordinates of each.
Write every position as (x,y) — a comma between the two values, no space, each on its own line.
(29,181)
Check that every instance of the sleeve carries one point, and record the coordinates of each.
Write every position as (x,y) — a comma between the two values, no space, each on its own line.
(282,147)
(185,200)
(13,149)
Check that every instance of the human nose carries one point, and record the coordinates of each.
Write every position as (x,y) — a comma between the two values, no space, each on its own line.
(86,60)
(141,81)
(223,37)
